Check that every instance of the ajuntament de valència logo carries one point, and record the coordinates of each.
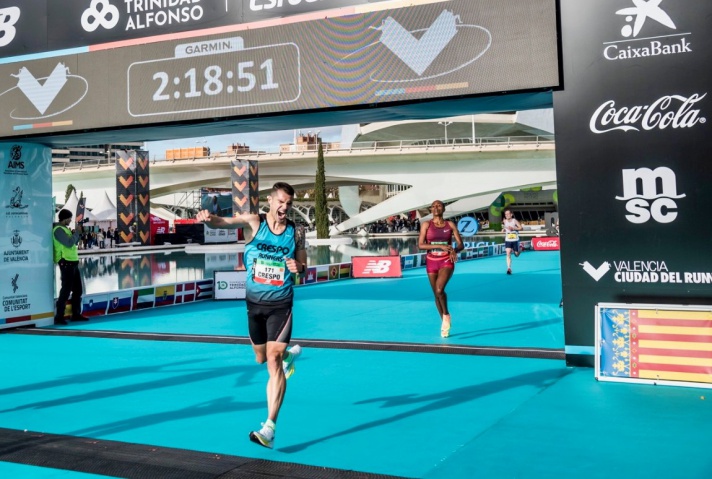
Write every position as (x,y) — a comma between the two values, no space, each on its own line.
(669,111)
(644,200)
(648,32)
(644,271)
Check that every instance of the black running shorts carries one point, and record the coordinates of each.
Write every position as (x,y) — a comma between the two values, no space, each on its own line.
(269,323)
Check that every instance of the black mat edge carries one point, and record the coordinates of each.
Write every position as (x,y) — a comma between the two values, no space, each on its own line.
(142,461)
(514,352)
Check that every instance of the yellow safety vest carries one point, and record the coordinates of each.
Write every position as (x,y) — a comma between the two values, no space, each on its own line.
(61,251)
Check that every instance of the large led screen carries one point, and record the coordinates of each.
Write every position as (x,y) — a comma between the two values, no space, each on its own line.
(364,53)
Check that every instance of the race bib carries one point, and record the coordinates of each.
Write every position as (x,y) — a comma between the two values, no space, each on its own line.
(511,237)
(269,272)
(438,252)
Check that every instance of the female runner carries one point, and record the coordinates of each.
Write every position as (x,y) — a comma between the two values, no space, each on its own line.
(436,238)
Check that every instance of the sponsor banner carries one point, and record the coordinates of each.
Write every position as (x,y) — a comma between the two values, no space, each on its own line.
(95,304)
(185,292)
(143,197)
(654,343)
(126,196)
(220,235)
(165,295)
(119,302)
(376,266)
(203,289)
(26,217)
(546,243)
(92,22)
(388,53)
(230,284)
(245,187)
(143,298)
(633,141)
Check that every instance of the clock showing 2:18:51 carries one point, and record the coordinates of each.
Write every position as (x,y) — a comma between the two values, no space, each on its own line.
(241,79)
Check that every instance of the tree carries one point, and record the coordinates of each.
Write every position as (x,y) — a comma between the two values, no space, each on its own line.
(321,215)
(68,193)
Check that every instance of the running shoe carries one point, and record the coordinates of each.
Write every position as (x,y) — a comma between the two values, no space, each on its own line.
(509,270)
(288,364)
(445,327)
(264,437)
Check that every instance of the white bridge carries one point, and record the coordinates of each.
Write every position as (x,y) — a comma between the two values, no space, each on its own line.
(471,174)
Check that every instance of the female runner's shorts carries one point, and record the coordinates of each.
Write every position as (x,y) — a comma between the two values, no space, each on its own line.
(433,264)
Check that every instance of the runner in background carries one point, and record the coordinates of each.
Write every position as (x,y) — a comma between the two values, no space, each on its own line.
(436,238)
(511,228)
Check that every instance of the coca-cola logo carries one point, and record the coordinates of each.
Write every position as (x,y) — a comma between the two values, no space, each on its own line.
(670,111)
(548,243)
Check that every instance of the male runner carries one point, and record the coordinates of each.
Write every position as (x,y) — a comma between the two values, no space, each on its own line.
(274,248)
(511,228)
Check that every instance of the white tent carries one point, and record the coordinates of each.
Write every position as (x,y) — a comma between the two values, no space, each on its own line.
(71,205)
(105,209)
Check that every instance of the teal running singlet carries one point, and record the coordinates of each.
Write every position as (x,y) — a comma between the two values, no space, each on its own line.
(268,279)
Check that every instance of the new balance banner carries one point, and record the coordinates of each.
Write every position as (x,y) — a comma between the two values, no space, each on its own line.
(376,267)
(633,169)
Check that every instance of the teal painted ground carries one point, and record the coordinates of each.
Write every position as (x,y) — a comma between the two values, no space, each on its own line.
(400,413)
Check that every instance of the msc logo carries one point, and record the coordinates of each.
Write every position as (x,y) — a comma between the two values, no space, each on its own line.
(100,13)
(8,18)
(377,267)
(650,194)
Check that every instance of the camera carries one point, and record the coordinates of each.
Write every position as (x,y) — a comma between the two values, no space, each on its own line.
(84,221)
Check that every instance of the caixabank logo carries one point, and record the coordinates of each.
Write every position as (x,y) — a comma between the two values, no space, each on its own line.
(647,30)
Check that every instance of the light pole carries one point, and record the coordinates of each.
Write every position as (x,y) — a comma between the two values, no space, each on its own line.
(445,124)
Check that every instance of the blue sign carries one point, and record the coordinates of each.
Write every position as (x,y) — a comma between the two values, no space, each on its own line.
(468,226)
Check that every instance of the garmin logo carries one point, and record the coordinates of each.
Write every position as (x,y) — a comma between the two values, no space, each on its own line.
(257,5)
(650,194)
(670,111)
(659,43)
